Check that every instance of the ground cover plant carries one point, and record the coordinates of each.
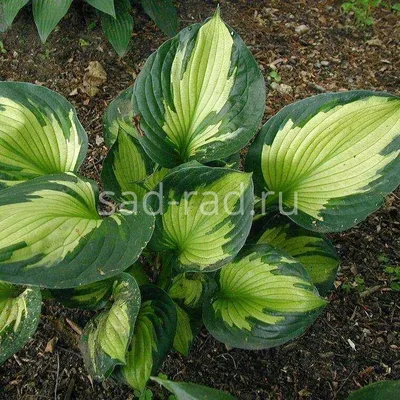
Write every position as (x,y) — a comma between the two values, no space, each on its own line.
(115,15)
(363,9)
(260,296)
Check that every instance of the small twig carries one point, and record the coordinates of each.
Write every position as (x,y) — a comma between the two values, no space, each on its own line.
(371,290)
(58,373)
(341,386)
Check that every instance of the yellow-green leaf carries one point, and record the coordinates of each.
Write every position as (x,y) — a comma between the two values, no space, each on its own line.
(19,317)
(153,337)
(311,249)
(265,298)
(39,134)
(333,157)
(201,96)
(52,235)
(105,339)
(203,217)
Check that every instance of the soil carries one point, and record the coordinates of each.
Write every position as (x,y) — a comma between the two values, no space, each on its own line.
(356,340)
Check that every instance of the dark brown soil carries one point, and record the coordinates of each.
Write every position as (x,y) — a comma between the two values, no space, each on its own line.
(333,55)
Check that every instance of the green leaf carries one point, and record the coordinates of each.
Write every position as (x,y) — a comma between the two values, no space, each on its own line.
(105,338)
(200,97)
(234,162)
(396,7)
(118,30)
(51,234)
(383,390)
(152,339)
(205,216)
(163,13)
(136,270)
(184,334)
(265,298)
(47,14)
(311,249)
(8,11)
(93,296)
(19,317)
(334,157)
(106,6)
(191,391)
(39,133)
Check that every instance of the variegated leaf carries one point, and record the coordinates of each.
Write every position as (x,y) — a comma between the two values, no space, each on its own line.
(200,97)
(105,339)
(311,249)
(203,217)
(52,235)
(39,133)
(19,317)
(127,169)
(334,157)
(265,298)
(152,339)
(188,288)
(92,296)
(118,117)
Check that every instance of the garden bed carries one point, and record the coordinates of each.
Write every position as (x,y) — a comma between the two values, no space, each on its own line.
(355,341)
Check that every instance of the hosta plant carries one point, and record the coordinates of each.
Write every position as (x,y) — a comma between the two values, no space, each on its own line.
(115,15)
(182,235)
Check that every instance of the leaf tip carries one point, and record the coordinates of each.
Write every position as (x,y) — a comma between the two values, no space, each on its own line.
(217,13)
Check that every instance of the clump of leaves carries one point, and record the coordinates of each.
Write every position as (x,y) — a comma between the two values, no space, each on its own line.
(358,285)
(115,15)
(3,50)
(274,75)
(242,252)
(394,274)
(363,10)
